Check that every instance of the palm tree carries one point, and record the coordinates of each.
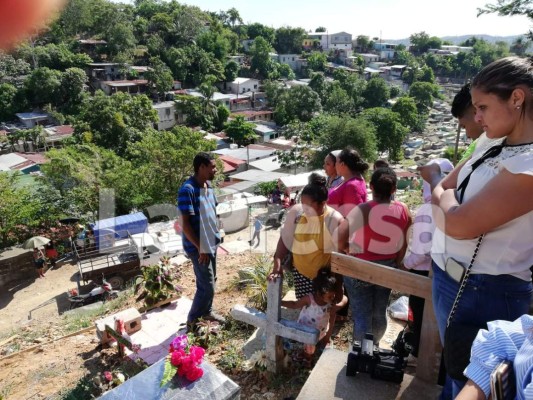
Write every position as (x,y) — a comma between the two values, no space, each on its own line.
(234,16)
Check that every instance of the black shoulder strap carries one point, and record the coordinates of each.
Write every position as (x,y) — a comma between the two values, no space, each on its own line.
(490,153)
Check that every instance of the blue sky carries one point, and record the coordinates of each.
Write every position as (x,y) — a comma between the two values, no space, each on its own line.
(395,19)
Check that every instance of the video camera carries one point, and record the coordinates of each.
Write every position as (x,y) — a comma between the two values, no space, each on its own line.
(382,364)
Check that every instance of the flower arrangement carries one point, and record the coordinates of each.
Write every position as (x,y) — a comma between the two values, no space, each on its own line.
(184,360)
(156,282)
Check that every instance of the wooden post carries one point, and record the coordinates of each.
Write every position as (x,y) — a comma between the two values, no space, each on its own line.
(405,282)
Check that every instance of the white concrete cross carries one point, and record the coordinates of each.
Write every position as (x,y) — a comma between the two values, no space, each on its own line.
(275,326)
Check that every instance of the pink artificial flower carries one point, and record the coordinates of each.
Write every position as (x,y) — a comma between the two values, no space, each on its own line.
(179,343)
(176,357)
(194,374)
(197,354)
(108,376)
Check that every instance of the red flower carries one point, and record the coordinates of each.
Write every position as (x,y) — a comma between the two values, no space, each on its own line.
(194,374)
(176,357)
(197,354)
(108,376)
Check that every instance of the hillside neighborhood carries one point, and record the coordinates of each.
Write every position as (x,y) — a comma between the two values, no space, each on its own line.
(101,115)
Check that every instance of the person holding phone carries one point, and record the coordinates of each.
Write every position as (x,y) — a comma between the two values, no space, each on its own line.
(499,353)
(494,200)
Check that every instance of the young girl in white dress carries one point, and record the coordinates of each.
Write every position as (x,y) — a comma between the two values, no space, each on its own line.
(318,311)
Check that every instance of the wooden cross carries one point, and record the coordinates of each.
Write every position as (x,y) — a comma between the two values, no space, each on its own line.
(275,326)
(429,352)
(121,340)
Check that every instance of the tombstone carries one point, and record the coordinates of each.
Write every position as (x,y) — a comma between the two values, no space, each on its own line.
(212,385)
(274,326)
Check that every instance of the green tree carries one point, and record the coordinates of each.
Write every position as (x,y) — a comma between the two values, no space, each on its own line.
(299,102)
(289,40)
(114,121)
(120,39)
(320,29)
(159,77)
(407,112)
(424,93)
(395,91)
(403,57)
(231,71)
(43,86)
(259,30)
(215,41)
(376,93)
(273,91)
(8,106)
(510,8)
(363,43)
(162,161)
(425,74)
(319,85)
(12,68)
(317,61)
(72,90)
(18,207)
(80,172)
(338,102)
(260,57)
(390,133)
(285,71)
(420,42)
(519,46)
(336,132)
(240,131)
(191,65)
(234,16)
(221,117)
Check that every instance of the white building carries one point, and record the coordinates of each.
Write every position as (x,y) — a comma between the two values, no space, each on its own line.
(244,85)
(265,133)
(386,51)
(291,59)
(340,40)
(166,114)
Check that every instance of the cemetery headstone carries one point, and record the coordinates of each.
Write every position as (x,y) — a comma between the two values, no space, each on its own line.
(213,385)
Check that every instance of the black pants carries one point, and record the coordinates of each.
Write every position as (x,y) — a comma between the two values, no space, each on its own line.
(416,304)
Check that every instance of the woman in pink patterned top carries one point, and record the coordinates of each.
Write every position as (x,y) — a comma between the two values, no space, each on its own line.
(352,191)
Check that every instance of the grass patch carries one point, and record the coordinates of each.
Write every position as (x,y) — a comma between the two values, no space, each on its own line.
(6,390)
(84,319)
(84,389)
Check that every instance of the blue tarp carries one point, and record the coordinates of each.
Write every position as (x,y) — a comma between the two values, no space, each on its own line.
(108,230)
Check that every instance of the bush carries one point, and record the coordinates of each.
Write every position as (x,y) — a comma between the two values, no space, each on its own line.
(254,281)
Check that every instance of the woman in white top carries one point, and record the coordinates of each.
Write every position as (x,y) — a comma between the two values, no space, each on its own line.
(496,200)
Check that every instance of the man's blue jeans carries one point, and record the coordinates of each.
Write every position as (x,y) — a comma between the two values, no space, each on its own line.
(485,298)
(368,303)
(206,276)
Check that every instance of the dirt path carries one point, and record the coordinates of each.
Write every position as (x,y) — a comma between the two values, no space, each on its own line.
(37,301)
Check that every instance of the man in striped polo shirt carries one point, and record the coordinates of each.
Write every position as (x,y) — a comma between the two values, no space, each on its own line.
(197,204)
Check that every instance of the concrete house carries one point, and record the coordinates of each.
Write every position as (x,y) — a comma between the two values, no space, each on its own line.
(340,40)
(265,133)
(322,38)
(386,51)
(244,85)
(166,114)
(136,86)
(396,71)
(291,59)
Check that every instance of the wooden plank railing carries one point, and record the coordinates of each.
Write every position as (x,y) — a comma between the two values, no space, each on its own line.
(429,350)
